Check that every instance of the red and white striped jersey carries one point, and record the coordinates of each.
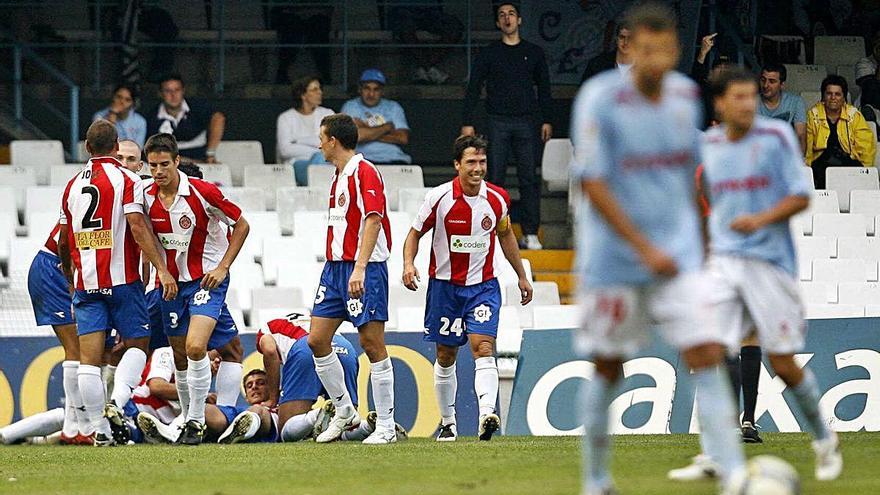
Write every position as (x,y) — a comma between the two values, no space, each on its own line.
(93,207)
(463,246)
(285,332)
(356,193)
(51,245)
(191,230)
(160,365)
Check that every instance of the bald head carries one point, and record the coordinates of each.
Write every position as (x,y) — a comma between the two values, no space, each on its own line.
(129,154)
(101,139)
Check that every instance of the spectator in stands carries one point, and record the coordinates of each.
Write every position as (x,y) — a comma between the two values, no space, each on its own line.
(406,18)
(837,133)
(519,120)
(196,126)
(868,79)
(617,58)
(777,103)
(381,123)
(297,131)
(129,124)
(302,24)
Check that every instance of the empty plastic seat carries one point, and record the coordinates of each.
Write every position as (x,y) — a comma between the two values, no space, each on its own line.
(861,248)
(396,177)
(7,233)
(833,50)
(276,297)
(22,252)
(268,178)
(321,176)
(247,198)
(873,126)
(543,294)
(840,225)
(240,152)
(412,319)
(8,208)
(41,223)
(218,174)
(290,200)
(827,311)
(821,201)
(42,199)
(839,271)
(20,178)
(400,296)
(60,175)
(263,224)
(289,252)
(557,317)
(846,179)
(804,77)
(244,276)
(310,223)
(867,203)
(811,248)
(305,276)
(555,163)
(37,154)
(810,97)
(818,293)
(410,199)
(859,293)
(509,331)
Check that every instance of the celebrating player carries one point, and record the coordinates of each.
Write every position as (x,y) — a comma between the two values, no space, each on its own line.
(753,173)
(636,141)
(354,283)
(464,297)
(101,227)
(186,214)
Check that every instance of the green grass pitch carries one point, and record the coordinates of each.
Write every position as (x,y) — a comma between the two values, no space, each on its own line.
(506,465)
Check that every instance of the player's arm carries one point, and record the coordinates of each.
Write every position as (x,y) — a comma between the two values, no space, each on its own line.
(396,136)
(161,388)
(509,247)
(215,277)
(272,365)
(781,211)
(372,226)
(149,244)
(410,250)
(64,253)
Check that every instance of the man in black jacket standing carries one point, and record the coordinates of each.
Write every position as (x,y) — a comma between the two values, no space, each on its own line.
(511,69)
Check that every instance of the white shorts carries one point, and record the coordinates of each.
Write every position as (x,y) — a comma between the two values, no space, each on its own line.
(618,320)
(747,293)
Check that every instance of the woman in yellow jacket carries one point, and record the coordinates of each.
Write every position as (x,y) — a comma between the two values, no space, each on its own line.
(852,143)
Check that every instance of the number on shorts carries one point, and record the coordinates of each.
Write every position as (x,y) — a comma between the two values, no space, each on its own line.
(89,221)
(319,298)
(446,329)
(173,317)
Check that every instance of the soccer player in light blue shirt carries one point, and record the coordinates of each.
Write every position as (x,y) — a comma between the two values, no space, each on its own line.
(382,125)
(636,146)
(753,170)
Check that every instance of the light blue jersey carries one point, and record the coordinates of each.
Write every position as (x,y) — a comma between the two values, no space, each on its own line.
(749,176)
(647,155)
(385,111)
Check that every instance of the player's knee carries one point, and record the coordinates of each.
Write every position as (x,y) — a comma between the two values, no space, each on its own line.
(374,348)
(785,367)
(233,351)
(446,355)
(195,351)
(319,346)
(704,355)
(483,348)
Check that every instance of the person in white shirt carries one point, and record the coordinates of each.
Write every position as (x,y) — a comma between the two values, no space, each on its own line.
(298,128)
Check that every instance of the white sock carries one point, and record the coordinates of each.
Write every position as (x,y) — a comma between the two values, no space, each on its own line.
(228,383)
(108,374)
(182,391)
(486,384)
(198,377)
(718,420)
(595,399)
(128,375)
(807,395)
(92,390)
(382,381)
(445,387)
(332,376)
(359,434)
(70,383)
(40,424)
(299,427)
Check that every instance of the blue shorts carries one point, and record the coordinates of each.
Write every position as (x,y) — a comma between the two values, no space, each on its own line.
(48,290)
(332,300)
(122,307)
(193,300)
(453,311)
(299,380)
(230,412)
(157,329)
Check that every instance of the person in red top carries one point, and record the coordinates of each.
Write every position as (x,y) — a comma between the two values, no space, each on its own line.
(354,283)
(470,220)
(101,227)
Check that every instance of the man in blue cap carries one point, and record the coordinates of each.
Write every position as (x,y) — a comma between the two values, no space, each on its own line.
(381,123)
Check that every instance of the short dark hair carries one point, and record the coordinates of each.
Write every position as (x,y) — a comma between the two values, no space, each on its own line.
(464,142)
(343,128)
(835,80)
(162,142)
(132,90)
(776,67)
(255,371)
(721,80)
(502,4)
(299,88)
(191,169)
(101,137)
(172,76)
(652,16)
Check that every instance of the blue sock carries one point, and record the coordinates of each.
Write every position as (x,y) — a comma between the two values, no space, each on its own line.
(718,420)
(596,441)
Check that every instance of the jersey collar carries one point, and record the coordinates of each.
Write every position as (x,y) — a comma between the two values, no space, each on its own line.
(458,191)
(352,164)
(183,186)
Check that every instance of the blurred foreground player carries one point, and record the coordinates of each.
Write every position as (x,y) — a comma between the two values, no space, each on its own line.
(636,150)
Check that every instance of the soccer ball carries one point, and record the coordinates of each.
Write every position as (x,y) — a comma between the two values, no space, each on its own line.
(769,475)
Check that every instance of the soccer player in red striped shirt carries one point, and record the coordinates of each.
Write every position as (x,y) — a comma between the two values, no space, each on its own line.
(354,283)
(101,226)
(467,214)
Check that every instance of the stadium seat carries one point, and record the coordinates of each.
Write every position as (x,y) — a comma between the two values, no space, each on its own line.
(811,248)
(22,252)
(804,77)
(60,175)
(873,126)
(82,154)
(247,198)
(828,311)
(861,248)
(509,332)
(821,201)
(556,162)
(398,176)
(41,223)
(556,317)
(866,203)
(289,200)
(858,293)
(276,297)
(818,293)
(268,178)
(287,252)
(310,223)
(321,176)
(840,224)
(411,318)
(8,207)
(505,273)
(42,200)
(810,98)
(846,179)
(238,154)
(410,199)
(872,310)
(833,50)
(7,234)
(400,296)
(839,271)
(37,154)
(544,294)
(263,224)
(217,174)
(20,178)
(244,276)
(305,276)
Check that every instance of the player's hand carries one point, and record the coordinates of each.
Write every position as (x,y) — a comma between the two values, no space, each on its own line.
(468,130)
(215,363)
(214,278)
(411,276)
(269,404)
(746,224)
(169,285)
(211,398)
(356,282)
(659,262)
(525,290)
(546,132)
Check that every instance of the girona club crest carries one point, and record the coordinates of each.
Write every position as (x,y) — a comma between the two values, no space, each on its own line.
(487,223)
(185,222)
(340,201)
